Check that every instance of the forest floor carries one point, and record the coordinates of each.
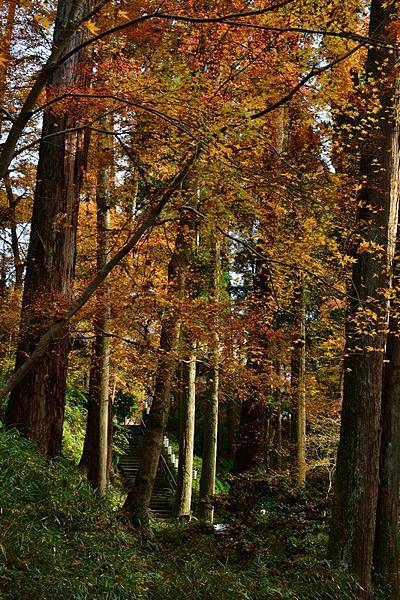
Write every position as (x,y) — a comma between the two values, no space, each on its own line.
(58,541)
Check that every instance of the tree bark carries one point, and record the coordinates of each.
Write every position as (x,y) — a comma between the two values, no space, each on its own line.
(250,448)
(138,499)
(356,488)
(298,385)
(36,405)
(209,463)
(97,446)
(251,445)
(186,447)
(210,442)
(278,418)
(386,552)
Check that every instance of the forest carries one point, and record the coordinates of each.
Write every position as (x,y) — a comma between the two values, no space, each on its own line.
(200,299)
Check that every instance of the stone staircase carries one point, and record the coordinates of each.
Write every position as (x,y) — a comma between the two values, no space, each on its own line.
(163,491)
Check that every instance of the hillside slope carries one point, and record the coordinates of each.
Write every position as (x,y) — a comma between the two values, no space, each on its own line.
(58,542)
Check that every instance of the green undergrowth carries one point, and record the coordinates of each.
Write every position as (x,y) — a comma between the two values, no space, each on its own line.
(273,548)
(59,542)
(237,566)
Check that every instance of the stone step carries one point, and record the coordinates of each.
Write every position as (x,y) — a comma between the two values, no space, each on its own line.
(162,497)
(159,485)
(161,481)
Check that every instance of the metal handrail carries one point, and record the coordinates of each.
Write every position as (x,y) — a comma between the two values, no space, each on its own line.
(164,463)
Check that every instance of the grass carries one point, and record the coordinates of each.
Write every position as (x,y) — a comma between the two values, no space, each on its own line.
(59,542)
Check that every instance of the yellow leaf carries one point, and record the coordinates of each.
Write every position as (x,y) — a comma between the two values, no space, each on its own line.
(44,20)
(92,27)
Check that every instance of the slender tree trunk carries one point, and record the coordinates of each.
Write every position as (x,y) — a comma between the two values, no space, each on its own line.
(357,475)
(386,551)
(186,447)
(181,398)
(3,277)
(209,463)
(298,386)
(138,499)
(278,418)
(36,405)
(95,458)
(294,377)
(210,443)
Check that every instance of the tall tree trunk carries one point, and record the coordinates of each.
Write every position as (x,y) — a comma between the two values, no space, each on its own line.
(138,499)
(278,417)
(294,376)
(209,463)
(186,446)
(210,443)
(95,457)
(356,487)
(250,450)
(36,405)
(298,384)
(180,397)
(386,552)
